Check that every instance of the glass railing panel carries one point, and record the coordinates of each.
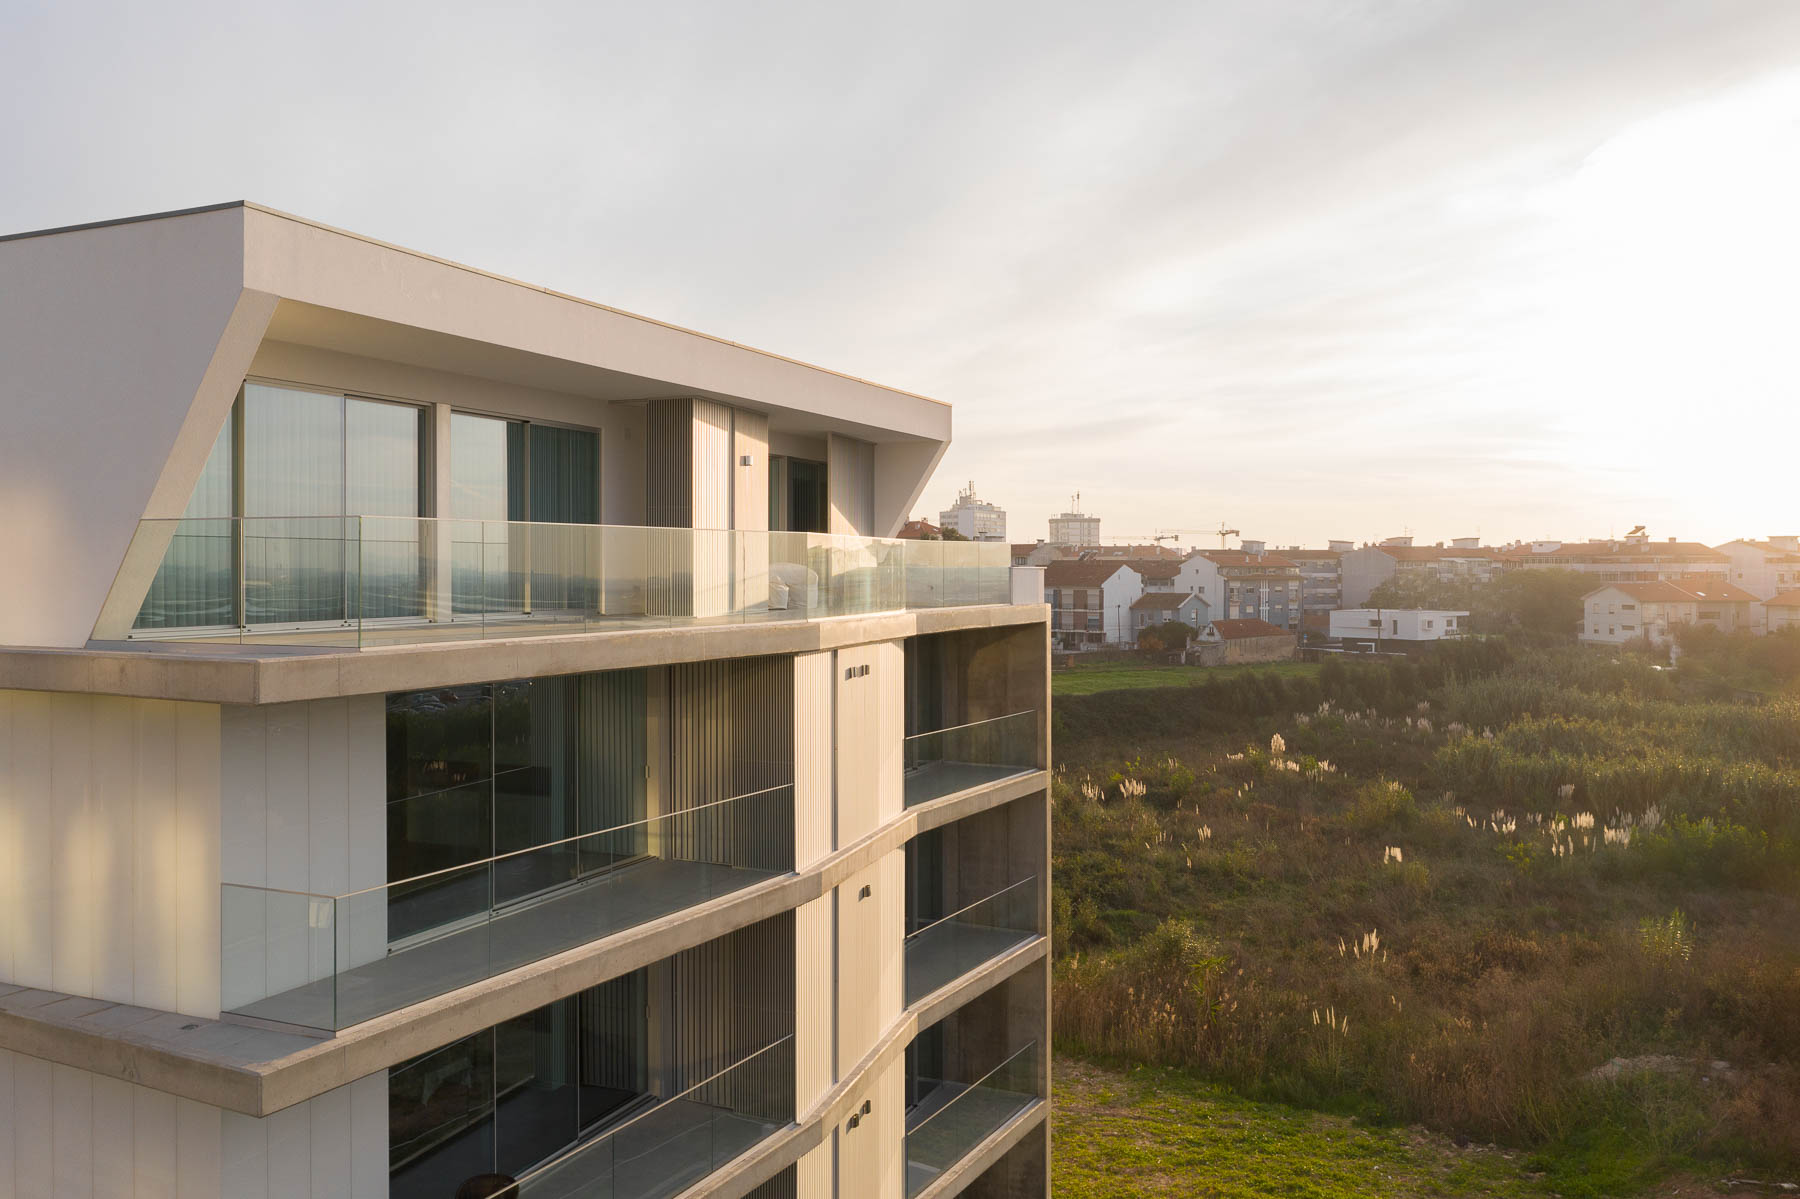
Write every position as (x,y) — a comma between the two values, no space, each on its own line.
(392,575)
(954,1117)
(273,940)
(701,1127)
(397,580)
(924,574)
(995,569)
(195,585)
(950,760)
(940,951)
(333,961)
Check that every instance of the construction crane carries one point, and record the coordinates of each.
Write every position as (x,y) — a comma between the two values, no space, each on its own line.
(1175,534)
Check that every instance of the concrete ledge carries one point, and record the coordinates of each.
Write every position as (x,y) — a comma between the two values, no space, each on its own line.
(258,1071)
(224,674)
(977,1160)
(839,1103)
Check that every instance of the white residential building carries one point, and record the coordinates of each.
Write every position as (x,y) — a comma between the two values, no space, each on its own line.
(1090,602)
(1396,624)
(453,733)
(1633,558)
(1621,612)
(975,519)
(1074,527)
(1764,568)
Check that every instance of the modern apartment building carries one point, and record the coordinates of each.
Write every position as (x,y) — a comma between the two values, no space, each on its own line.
(975,519)
(1633,558)
(458,737)
(1244,584)
(1075,527)
(1363,570)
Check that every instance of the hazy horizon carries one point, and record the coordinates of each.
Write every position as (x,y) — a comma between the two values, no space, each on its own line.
(1316,270)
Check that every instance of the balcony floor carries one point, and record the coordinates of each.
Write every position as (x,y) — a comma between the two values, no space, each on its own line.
(945,952)
(934,1147)
(659,1154)
(935,780)
(585,912)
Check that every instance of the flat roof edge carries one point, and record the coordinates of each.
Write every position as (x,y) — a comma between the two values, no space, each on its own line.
(126,220)
(584,302)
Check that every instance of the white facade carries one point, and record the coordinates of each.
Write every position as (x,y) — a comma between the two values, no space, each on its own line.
(428,709)
(1654,612)
(1765,569)
(975,519)
(1074,528)
(1397,624)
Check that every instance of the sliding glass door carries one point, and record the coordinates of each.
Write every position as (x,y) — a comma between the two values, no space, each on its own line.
(516,471)
(507,1098)
(296,466)
(500,769)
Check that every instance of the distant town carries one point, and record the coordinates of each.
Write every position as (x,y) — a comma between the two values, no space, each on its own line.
(1257,603)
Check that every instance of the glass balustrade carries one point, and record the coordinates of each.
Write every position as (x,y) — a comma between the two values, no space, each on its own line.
(947,761)
(330,961)
(954,1117)
(941,951)
(679,1140)
(369,580)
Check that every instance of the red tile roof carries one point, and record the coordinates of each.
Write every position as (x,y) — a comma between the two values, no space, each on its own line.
(1787,599)
(1240,558)
(1237,630)
(1433,553)
(1615,550)
(1155,570)
(919,530)
(1072,572)
(1166,601)
(1692,592)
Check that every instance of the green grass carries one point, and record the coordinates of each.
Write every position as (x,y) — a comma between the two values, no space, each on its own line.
(1087,680)
(1156,1132)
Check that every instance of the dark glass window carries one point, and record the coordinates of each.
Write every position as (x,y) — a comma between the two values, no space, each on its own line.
(509,1097)
(520,769)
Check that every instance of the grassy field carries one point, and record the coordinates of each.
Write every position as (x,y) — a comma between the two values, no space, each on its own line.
(1156,1133)
(1440,893)
(1090,680)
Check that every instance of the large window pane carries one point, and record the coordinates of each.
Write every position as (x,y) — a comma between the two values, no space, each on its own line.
(517,768)
(535,1086)
(293,476)
(441,1119)
(381,479)
(534,786)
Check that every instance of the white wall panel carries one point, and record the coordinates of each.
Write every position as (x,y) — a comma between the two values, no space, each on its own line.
(815,1174)
(304,796)
(869,956)
(109,815)
(67,1133)
(871,1156)
(814,1002)
(813,735)
(856,746)
(888,673)
(850,482)
(332,1145)
(869,738)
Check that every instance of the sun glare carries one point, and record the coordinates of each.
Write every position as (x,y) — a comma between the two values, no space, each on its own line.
(1669,303)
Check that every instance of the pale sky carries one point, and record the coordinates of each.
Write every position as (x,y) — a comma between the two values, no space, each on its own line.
(1509,267)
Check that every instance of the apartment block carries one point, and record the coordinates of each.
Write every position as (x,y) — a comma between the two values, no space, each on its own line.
(1245,584)
(461,739)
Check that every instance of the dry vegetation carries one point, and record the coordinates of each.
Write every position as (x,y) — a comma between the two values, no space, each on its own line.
(1447,894)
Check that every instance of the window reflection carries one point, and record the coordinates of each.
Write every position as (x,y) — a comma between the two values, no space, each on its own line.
(511,1096)
(478,772)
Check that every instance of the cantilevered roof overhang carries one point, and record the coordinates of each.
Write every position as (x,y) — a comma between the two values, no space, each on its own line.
(125,342)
